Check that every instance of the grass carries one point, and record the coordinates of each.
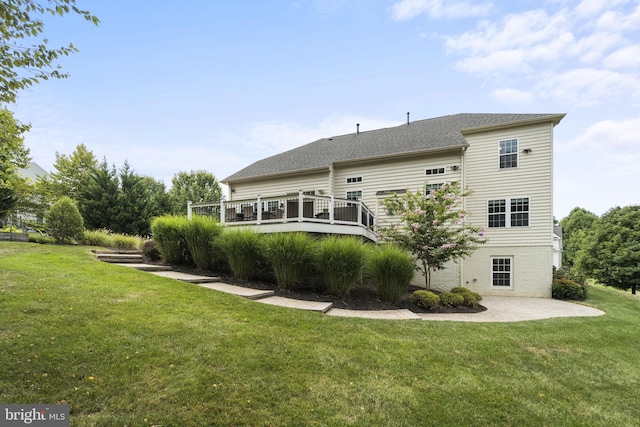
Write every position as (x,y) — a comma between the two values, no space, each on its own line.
(123,347)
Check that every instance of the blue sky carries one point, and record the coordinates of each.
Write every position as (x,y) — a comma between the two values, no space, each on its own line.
(178,86)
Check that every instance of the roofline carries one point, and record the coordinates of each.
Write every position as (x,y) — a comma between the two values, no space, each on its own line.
(277,174)
(342,162)
(554,118)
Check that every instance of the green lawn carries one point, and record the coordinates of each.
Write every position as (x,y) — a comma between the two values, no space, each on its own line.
(124,347)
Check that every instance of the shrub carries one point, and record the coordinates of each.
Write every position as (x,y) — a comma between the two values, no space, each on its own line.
(242,249)
(150,251)
(168,234)
(64,222)
(201,233)
(341,259)
(123,241)
(567,289)
(391,269)
(290,256)
(471,299)
(425,299)
(100,238)
(451,299)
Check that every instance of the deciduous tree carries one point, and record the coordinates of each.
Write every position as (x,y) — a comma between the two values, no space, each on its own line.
(196,186)
(13,156)
(432,227)
(25,54)
(612,250)
(575,228)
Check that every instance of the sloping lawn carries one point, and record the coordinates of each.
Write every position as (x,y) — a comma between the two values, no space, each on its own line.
(123,347)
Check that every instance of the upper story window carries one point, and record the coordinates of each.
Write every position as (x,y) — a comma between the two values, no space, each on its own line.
(508,153)
(354,195)
(354,179)
(508,212)
(434,171)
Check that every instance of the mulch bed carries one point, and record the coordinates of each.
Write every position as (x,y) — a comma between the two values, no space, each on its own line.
(360,298)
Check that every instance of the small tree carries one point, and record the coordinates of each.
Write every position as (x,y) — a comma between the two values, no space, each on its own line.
(611,254)
(432,227)
(64,222)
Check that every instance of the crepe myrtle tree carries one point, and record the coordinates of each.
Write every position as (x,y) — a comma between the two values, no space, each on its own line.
(432,227)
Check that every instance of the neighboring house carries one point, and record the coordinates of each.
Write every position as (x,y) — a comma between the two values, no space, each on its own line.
(31,173)
(557,246)
(505,159)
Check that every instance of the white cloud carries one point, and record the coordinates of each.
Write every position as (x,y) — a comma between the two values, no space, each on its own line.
(626,57)
(548,50)
(407,9)
(611,136)
(512,96)
(587,86)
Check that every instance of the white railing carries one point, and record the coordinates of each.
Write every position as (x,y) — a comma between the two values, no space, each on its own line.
(282,209)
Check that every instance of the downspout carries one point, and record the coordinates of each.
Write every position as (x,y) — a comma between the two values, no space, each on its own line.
(463,183)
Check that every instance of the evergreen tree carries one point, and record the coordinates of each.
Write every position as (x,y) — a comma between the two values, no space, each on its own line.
(99,198)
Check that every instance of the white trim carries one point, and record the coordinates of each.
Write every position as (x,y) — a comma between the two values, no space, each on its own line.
(444,171)
(508,212)
(517,153)
(510,272)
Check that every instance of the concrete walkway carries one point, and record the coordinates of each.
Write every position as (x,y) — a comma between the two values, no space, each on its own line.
(499,309)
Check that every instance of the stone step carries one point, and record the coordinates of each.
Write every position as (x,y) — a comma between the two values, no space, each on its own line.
(186,277)
(146,267)
(120,258)
(318,306)
(249,293)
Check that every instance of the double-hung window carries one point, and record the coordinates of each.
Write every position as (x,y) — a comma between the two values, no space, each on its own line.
(354,195)
(501,272)
(508,153)
(508,212)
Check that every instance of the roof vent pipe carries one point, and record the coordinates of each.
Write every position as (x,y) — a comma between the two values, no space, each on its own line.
(357,128)
(407,117)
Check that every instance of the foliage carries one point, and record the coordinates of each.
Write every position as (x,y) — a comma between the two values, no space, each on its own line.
(391,269)
(24,64)
(425,299)
(101,238)
(567,289)
(612,250)
(575,228)
(169,235)
(138,202)
(124,241)
(570,273)
(13,156)
(177,354)
(290,256)
(451,299)
(150,250)
(432,227)
(99,197)
(341,260)
(201,234)
(242,249)
(64,222)
(71,175)
(195,186)
(471,299)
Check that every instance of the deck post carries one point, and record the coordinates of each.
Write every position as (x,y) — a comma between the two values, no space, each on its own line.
(259,210)
(189,202)
(359,217)
(223,213)
(331,208)
(300,205)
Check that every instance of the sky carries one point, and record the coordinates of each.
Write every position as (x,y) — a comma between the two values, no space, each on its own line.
(178,86)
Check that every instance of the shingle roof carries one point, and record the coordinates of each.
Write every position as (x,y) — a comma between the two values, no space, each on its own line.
(418,136)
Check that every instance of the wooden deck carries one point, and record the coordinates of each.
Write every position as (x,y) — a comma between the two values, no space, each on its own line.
(296,212)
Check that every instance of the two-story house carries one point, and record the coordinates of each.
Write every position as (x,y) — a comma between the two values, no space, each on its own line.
(505,159)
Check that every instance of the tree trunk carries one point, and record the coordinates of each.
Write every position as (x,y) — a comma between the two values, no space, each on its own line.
(427,279)
(633,289)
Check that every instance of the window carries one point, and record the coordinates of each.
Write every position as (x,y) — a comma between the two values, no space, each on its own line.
(516,216)
(501,272)
(508,153)
(434,171)
(354,195)
(497,215)
(432,187)
(520,212)
(272,205)
(354,179)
